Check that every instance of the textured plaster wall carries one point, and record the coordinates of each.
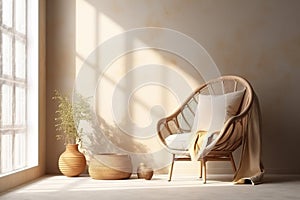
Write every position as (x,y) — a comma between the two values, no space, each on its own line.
(259,40)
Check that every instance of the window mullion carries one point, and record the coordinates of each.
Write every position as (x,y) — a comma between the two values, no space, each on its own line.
(0,43)
(13,124)
(26,79)
(13,73)
(1,170)
(0,150)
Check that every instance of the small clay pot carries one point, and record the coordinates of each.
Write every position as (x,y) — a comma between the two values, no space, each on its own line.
(144,172)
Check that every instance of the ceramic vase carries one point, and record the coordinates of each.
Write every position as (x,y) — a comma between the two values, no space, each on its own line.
(72,162)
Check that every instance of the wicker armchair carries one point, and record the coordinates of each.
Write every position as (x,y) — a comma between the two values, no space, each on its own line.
(231,136)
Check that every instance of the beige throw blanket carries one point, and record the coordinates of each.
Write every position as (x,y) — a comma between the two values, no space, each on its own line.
(250,168)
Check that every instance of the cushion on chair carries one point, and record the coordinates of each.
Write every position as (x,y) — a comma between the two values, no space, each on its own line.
(213,110)
(179,141)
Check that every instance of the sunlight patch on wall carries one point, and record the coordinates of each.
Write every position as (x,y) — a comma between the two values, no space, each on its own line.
(92,29)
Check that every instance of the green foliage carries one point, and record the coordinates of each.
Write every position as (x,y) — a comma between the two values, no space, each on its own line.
(68,116)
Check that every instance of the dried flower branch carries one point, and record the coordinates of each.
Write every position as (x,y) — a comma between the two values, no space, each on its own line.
(68,116)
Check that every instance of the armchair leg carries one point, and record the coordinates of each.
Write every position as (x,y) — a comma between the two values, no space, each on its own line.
(201,166)
(203,169)
(171,168)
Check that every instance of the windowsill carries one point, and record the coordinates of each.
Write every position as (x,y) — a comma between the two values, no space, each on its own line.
(16,171)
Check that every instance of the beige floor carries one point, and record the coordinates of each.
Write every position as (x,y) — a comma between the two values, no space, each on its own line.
(181,187)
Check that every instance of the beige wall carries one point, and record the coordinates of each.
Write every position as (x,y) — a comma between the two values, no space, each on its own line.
(60,66)
(259,40)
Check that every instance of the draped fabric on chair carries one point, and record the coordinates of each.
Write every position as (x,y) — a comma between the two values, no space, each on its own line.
(214,139)
(251,167)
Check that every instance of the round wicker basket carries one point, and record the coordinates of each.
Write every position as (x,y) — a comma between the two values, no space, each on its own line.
(110,166)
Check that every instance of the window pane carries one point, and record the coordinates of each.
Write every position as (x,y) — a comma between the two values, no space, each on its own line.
(7,12)
(6,105)
(6,152)
(20,60)
(20,115)
(20,12)
(19,157)
(7,54)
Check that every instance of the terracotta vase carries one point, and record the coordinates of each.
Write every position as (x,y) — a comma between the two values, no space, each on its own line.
(144,172)
(72,162)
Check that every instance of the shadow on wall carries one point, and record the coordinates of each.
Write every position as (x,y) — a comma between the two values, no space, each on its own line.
(104,138)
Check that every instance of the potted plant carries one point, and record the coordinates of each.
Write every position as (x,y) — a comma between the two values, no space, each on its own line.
(68,116)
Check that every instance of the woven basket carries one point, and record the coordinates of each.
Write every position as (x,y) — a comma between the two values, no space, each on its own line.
(110,166)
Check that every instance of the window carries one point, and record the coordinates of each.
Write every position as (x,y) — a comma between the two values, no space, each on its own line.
(13,85)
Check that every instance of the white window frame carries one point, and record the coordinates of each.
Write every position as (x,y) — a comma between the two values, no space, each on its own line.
(30,83)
